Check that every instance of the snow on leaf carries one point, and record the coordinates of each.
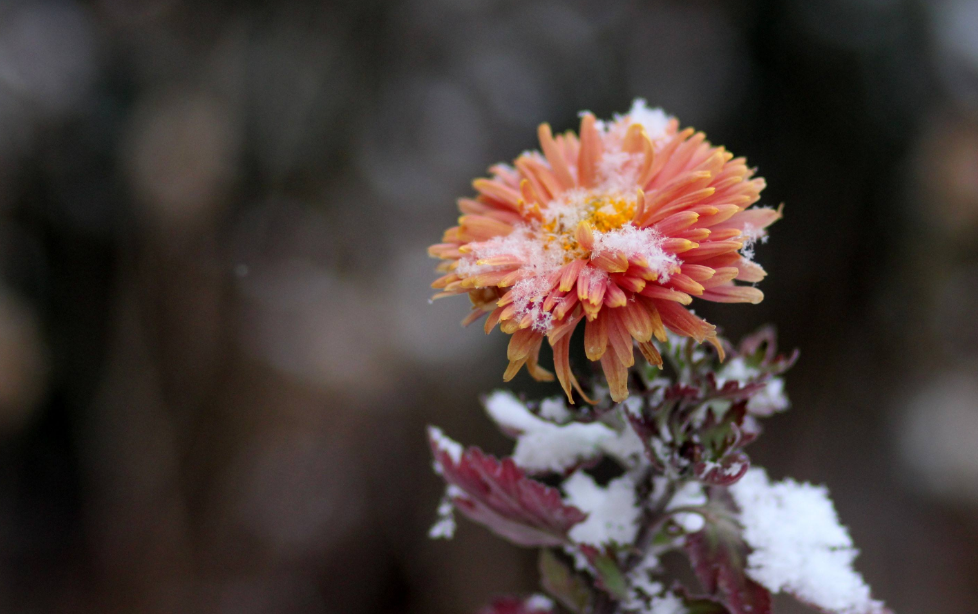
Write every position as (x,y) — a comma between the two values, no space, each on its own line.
(731,468)
(799,546)
(718,557)
(535,604)
(543,446)
(497,494)
(612,510)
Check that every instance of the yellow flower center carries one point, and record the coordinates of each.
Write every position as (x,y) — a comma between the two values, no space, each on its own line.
(602,213)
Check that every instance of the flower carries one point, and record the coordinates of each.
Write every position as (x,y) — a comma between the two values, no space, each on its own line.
(621,227)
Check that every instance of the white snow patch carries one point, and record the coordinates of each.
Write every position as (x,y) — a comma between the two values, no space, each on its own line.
(546,446)
(655,121)
(444,527)
(771,399)
(612,511)
(542,445)
(626,447)
(444,442)
(798,544)
(642,588)
(555,409)
(636,242)
(538,602)
(667,604)
(690,495)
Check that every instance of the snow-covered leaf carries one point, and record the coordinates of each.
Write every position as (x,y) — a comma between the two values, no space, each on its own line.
(497,494)
(612,510)
(730,469)
(799,546)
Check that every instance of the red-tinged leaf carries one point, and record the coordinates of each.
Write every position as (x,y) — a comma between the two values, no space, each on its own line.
(718,554)
(515,605)
(731,468)
(559,578)
(497,494)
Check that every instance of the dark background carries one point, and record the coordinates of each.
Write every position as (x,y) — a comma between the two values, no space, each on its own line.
(216,352)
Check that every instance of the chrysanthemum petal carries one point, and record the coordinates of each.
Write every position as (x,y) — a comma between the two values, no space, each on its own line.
(590,152)
(555,157)
(595,338)
(616,375)
(734,294)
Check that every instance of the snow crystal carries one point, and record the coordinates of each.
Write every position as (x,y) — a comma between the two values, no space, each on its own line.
(568,209)
(444,527)
(750,236)
(538,602)
(690,495)
(444,442)
(538,263)
(798,544)
(655,121)
(612,511)
(637,242)
(528,297)
(619,172)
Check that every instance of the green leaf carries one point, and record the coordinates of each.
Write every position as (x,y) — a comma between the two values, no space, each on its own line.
(563,583)
(609,575)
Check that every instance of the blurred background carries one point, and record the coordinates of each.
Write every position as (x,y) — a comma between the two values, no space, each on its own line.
(217,357)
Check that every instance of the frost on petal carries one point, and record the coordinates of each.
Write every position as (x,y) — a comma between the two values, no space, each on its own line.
(799,546)
(534,604)
(612,510)
(497,494)
(639,243)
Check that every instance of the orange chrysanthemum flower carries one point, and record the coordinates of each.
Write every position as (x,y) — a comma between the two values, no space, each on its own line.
(620,226)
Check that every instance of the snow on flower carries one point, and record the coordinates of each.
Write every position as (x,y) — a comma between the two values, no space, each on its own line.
(619,226)
(798,544)
(612,512)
